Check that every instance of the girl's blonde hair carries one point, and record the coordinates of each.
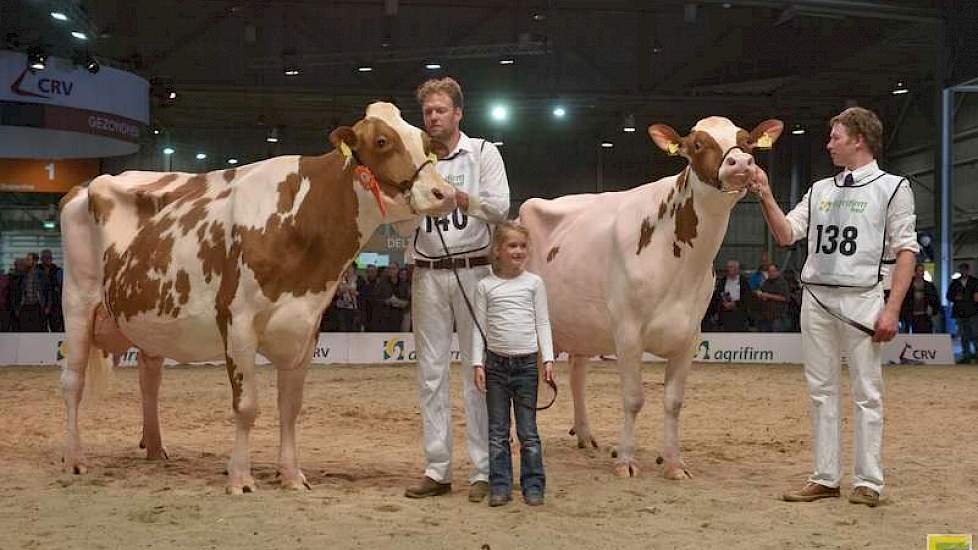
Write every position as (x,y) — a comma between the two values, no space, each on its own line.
(499,236)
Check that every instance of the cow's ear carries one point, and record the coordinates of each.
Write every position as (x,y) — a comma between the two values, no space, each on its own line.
(765,134)
(665,138)
(343,134)
(438,148)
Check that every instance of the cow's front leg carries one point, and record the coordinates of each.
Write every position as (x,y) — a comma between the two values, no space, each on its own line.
(150,374)
(629,369)
(677,369)
(244,401)
(290,384)
(578,377)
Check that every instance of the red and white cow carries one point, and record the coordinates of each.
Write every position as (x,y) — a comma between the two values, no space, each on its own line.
(227,264)
(632,271)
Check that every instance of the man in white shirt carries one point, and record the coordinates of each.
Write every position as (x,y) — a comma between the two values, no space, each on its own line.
(476,169)
(851,221)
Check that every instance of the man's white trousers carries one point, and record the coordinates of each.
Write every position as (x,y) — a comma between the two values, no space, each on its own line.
(824,339)
(436,304)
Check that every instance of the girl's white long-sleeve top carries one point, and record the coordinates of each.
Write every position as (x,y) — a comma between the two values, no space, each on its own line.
(513,312)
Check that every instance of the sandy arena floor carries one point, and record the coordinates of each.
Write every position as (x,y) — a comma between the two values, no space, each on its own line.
(745,438)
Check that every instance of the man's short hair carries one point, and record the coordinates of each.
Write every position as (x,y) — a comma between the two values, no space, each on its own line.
(964,265)
(447,86)
(862,122)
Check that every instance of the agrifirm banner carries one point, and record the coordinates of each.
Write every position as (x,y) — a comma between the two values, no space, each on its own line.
(374,348)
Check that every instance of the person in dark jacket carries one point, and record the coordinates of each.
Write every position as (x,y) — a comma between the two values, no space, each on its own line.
(962,292)
(732,298)
(53,279)
(920,304)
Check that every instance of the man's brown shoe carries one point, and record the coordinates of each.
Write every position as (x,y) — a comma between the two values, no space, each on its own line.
(811,491)
(428,488)
(478,491)
(864,495)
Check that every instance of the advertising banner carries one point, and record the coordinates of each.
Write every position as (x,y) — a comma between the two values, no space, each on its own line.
(392,348)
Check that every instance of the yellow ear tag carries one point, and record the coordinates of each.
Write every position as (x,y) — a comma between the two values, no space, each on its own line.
(345,149)
(673,149)
(764,142)
(433,158)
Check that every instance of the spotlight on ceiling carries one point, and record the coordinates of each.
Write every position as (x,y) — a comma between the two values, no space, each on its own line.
(92,64)
(272,136)
(798,130)
(201,156)
(629,125)
(169,150)
(232,161)
(497,143)
(59,16)
(499,113)
(36,59)
(900,89)
(559,112)
(507,61)
(607,144)
(291,70)
(432,66)
(79,35)
(365,68)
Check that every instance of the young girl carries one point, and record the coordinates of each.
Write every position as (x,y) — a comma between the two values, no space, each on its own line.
(511,305)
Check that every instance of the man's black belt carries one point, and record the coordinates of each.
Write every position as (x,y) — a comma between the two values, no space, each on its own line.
(449,263)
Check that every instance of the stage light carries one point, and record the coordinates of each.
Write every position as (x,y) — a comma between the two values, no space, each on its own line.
(798,130)
(497,143)
(79,35)
(232,161)
(559,112)
(49,224)
(201,156)
(36,59)
(59,16)
(507,61)
(169,150)
(499,113)
(900,89)
(432,66)
(291,70)
(365,68)
(607,144)
(629,125)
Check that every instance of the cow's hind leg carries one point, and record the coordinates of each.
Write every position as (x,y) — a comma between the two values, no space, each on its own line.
(629,369)
(150,374)
(677,369)
(578,377)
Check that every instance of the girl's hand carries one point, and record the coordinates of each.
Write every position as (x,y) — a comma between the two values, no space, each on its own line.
(548,372)
(480,377)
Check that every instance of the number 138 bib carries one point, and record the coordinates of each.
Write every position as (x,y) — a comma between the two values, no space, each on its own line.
(847,230)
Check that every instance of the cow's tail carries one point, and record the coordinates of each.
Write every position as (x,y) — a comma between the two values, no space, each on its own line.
(97,375)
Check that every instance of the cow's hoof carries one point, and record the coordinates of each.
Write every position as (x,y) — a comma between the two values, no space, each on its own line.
(296,483)
(245,485)
(75,466)
(626,469)
(584,439)
(157,454)
(676,472)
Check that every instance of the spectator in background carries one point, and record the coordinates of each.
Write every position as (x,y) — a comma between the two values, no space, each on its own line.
(757,277)
(53,277)
(920,304)
(773,300)
(4,301)
(365,291)
(345,302)
(30,306)
(389,308)
(793,308)
(961,292)
(732,297)
(404,293)
(14,292)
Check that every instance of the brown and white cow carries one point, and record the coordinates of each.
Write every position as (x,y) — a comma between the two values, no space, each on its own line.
(632,271)
(227,264)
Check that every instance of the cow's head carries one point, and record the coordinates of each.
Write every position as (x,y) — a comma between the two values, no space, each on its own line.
(401,158)
(719,152)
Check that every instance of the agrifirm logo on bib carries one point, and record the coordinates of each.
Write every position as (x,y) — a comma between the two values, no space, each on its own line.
(854,206)
(949,542)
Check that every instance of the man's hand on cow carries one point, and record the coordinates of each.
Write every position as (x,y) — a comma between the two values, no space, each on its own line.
(759,183)
(548,372)
(479,372)
(886,326)
(462,199)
